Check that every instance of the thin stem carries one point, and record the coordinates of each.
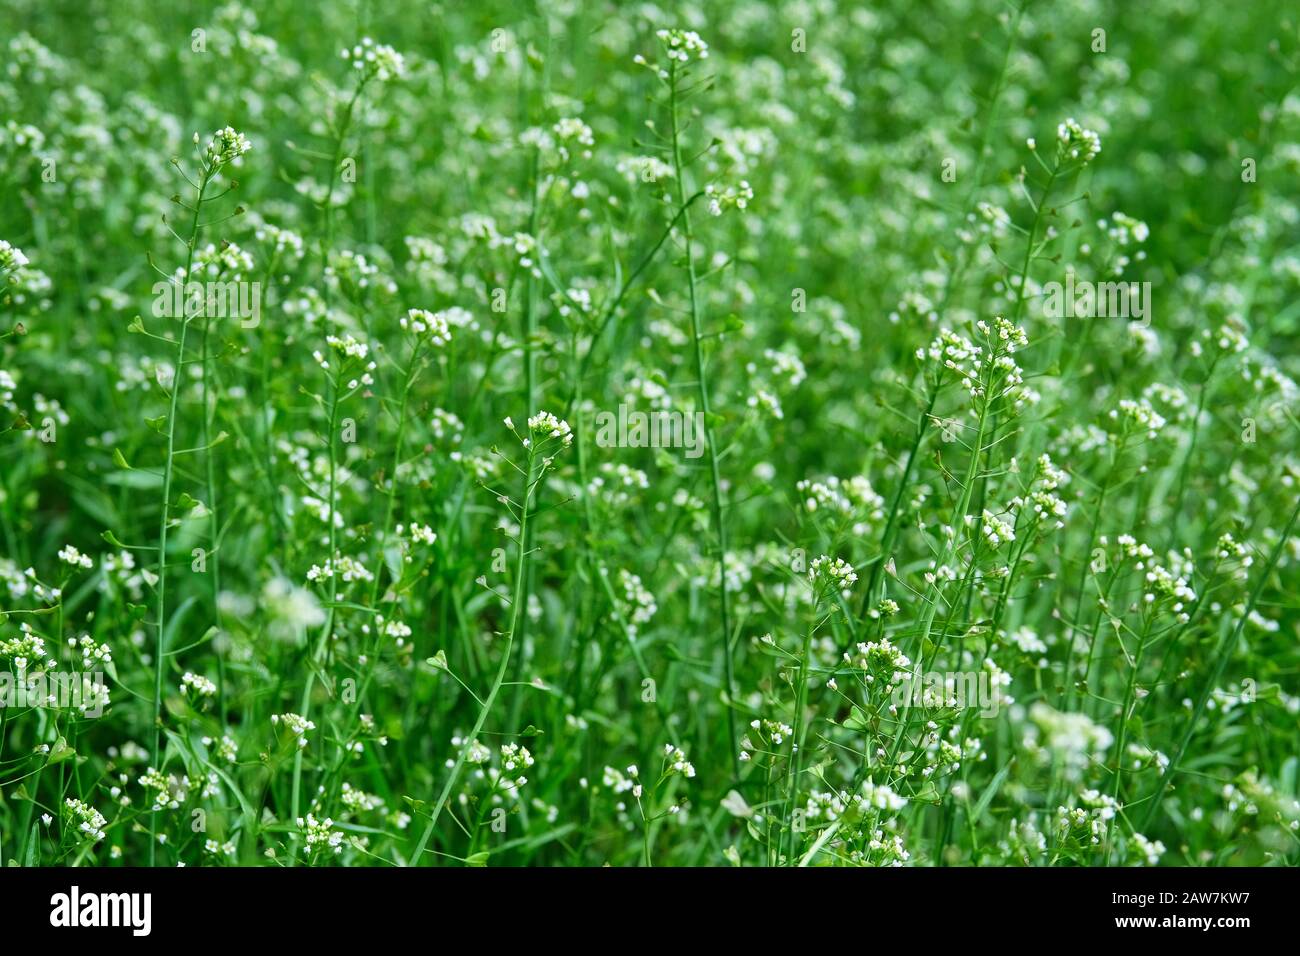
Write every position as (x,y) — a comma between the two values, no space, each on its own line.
(891,522)
(214,554)
(1221,660)
(1121,735)
(168,470)
(719,521)
(327,629)
(532,480)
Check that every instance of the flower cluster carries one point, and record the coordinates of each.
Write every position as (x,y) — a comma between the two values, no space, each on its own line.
(227,260)
(880,663)
(996,531)
(375,60)
(1076,144)
(617,781)
(772,732)
(296,724)
(515,759)
(1073,739)
(11,257)
(720,198)
(24,649)
(1165,585)
(320,834)
(226,146)
(683,45)
(571,132)
(422,323)
(93,654)
(1139,415)
(71,555)
(953,351)
(675,762)
(197,685)
(88,822)
(639,599)
(419,533)
(833,571)
(848,498)
(547,425)
(169,790)
(347,568)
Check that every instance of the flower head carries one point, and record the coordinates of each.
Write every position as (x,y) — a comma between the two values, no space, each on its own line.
(375,60)
(226,147)
(1076,144)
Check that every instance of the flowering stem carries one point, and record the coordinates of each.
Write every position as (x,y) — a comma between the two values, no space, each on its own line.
(165,517)
(800,729)
(327,240)
(719,521)
(1121,735)
(612,309)
(1083,580)
(887,538)
(530,353)
(214,553)
(1177,508)
(1033,235)
(589,525)
(412,371)
(532,479)
(327,629)
(1224,652)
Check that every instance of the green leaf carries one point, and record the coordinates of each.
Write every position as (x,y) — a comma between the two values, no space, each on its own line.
(856,720)
(989,793)
(928,793)
(173,625)
(32,855)
(61,751)
(134,478)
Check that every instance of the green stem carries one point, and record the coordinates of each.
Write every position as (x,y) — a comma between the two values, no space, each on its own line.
(168,470)
(327,629)
(1221,660)
(719,521)
(1121,735)
(869,596)
(533,478)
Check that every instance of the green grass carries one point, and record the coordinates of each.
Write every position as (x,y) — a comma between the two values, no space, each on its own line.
(368,582)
